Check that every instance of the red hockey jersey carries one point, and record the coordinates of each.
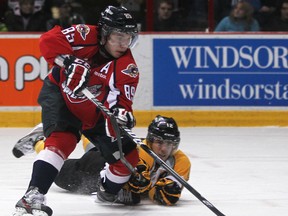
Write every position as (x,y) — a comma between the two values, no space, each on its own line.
(114,82)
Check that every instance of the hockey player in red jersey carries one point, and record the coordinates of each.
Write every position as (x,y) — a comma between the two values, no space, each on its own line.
(99,58)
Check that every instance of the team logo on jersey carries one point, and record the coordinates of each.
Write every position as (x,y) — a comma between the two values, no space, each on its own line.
(83,30)
(131,70)
(80,97)
(95,90)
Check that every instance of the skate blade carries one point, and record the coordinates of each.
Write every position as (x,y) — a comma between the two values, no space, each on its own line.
(20,212)
(23,212)
(36,212)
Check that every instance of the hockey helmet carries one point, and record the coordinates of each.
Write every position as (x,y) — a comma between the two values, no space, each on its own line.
(117,19)
(164,129)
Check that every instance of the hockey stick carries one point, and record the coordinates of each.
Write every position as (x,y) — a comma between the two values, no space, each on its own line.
(158,160)
(139,142)
(106,112)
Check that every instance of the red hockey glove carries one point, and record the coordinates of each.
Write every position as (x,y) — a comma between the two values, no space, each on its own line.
(165,192)
(140,183)
(77,71)
(124,118)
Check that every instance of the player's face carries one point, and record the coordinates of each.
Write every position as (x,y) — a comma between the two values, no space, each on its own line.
(118,43)
(163,148)
(27,7)
(239,11)
(165,11)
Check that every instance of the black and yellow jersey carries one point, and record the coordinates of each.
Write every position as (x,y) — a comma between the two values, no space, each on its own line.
(179,162)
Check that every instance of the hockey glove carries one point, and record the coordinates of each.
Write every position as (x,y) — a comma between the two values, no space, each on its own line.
(77,71)
(124,118)
(165,192)
(140,182)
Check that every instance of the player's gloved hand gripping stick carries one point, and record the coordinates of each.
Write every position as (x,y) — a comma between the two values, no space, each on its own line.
(139,142)
(77,72)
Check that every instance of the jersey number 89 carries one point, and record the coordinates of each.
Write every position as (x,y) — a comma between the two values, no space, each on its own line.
(129,91)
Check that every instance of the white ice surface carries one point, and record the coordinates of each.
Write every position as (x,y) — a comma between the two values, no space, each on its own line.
(241,171)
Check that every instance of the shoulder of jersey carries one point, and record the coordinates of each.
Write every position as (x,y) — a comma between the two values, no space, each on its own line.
(128,65)
(180,155)
(87,33)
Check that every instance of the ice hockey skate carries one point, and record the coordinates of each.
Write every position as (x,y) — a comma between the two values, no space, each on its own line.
(127,197)
(26,144)
(124,196)
(32,203)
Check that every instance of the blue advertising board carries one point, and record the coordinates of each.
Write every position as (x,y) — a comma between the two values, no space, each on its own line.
(220,72)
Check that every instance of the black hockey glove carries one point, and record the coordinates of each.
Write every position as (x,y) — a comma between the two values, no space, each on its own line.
(165,192)
(124,118)
(77,71)
(140,183)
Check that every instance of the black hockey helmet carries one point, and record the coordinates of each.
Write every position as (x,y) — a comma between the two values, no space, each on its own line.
(165,129)
(117,19)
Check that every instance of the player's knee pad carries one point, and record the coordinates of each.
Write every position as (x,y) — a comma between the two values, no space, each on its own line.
(63,143)
(50,158)
(120,169)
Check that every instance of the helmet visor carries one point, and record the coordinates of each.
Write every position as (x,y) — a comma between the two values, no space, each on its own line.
(159,140)
(120,39)
(116,36)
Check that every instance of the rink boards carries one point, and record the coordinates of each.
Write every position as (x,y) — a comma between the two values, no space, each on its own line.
(184,118)
(200,79)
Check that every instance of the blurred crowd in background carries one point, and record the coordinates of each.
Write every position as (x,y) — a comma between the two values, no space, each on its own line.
(151,15)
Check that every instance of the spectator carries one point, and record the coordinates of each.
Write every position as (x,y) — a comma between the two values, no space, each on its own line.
(166,19)
(38,4)
(63,15)
(240,19)
(267,9)
(279,22)
(25,18)
(222,8)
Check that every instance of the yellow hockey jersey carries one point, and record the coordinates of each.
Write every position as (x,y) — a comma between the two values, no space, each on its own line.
(179,162)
